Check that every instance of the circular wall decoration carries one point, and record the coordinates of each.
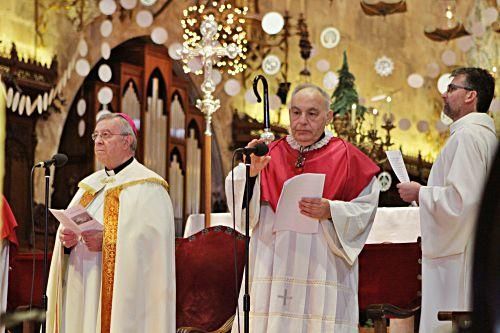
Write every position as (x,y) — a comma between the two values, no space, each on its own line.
(105,50)
(272,23)
(107,7)
(271,64)
(104,72)
(432,70)
(440,126)
(174,51)
(404,124)
(82,67)
(384,66)
(323,65)
(330,37)
(423,126)
(144,18)
(106,28)
(415,80)
(232,87)
(443,82)
(83,48)
(81,107)
(385,180)
(105,95)
(81,128)
(274,102)
(159,35)
(449,58)
(330,80)
(250,96)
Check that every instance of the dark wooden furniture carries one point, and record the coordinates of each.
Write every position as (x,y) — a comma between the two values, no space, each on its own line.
(208,279)
(390,282)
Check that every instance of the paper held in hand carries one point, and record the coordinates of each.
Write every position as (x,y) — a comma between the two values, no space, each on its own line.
(398,165)
(77,219)
(288,216)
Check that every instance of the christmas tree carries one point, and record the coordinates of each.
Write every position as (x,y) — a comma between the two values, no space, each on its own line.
(345,95)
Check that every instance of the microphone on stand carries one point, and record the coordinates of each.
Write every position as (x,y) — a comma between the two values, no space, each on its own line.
(58,160)
(260,149)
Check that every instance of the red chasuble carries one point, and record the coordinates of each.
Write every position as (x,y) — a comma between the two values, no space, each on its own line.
(348,171)
(9,224)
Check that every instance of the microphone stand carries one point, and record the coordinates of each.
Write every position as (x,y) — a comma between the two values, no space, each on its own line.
(45,244)
(246,296)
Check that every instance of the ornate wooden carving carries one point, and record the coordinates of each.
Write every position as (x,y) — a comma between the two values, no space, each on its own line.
(33,79)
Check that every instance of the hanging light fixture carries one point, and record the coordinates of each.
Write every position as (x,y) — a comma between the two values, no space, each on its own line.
(383,8)
(454,28)
(231,30)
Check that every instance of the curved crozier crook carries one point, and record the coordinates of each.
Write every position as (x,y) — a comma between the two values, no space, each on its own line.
(266,97)
(268,136)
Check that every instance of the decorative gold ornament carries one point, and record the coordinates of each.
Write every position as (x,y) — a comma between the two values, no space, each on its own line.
(230,30)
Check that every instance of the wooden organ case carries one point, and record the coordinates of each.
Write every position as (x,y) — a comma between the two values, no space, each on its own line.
(146,87)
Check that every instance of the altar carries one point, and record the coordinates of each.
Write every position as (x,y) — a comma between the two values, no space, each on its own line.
(391,225)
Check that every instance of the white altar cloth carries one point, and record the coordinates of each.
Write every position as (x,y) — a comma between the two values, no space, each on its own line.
(391,225)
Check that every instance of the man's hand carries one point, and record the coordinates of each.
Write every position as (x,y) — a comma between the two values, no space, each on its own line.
(408,191)
(67,237)
(258,162)
(317,208)
(93,240)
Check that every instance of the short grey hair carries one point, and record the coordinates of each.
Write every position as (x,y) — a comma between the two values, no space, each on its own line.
(310,86)
(125,127)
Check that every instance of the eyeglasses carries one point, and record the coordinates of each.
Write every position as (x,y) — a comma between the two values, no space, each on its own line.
(105,135)
(452,87)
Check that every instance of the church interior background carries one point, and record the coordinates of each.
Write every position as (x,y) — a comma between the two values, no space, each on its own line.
(63,62)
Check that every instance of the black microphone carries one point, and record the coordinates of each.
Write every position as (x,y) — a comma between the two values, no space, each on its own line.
(260,149)
(58,160)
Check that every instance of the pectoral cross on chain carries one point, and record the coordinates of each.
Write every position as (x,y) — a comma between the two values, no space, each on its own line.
(285,297)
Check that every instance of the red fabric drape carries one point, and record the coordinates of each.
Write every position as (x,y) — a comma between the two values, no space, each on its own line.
(347,169)
(8,223)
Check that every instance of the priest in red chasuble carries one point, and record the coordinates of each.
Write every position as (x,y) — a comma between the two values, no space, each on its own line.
(306,281)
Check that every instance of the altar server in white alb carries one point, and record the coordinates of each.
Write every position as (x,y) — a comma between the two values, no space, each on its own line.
(121,279)
(450,201)
(307,282)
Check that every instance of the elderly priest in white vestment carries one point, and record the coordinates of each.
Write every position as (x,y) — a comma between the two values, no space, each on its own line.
(307,281)
(121,279)
(450,201)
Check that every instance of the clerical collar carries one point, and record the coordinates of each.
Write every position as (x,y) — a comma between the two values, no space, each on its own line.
(119,168)
(322,141)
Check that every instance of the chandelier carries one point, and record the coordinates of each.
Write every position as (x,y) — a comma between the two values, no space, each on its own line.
(230,30)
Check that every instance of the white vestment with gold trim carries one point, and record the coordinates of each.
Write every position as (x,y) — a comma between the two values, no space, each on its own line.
(144,275)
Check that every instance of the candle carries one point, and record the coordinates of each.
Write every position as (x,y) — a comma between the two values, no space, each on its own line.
(389,100)
(375,113)
(353,115)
